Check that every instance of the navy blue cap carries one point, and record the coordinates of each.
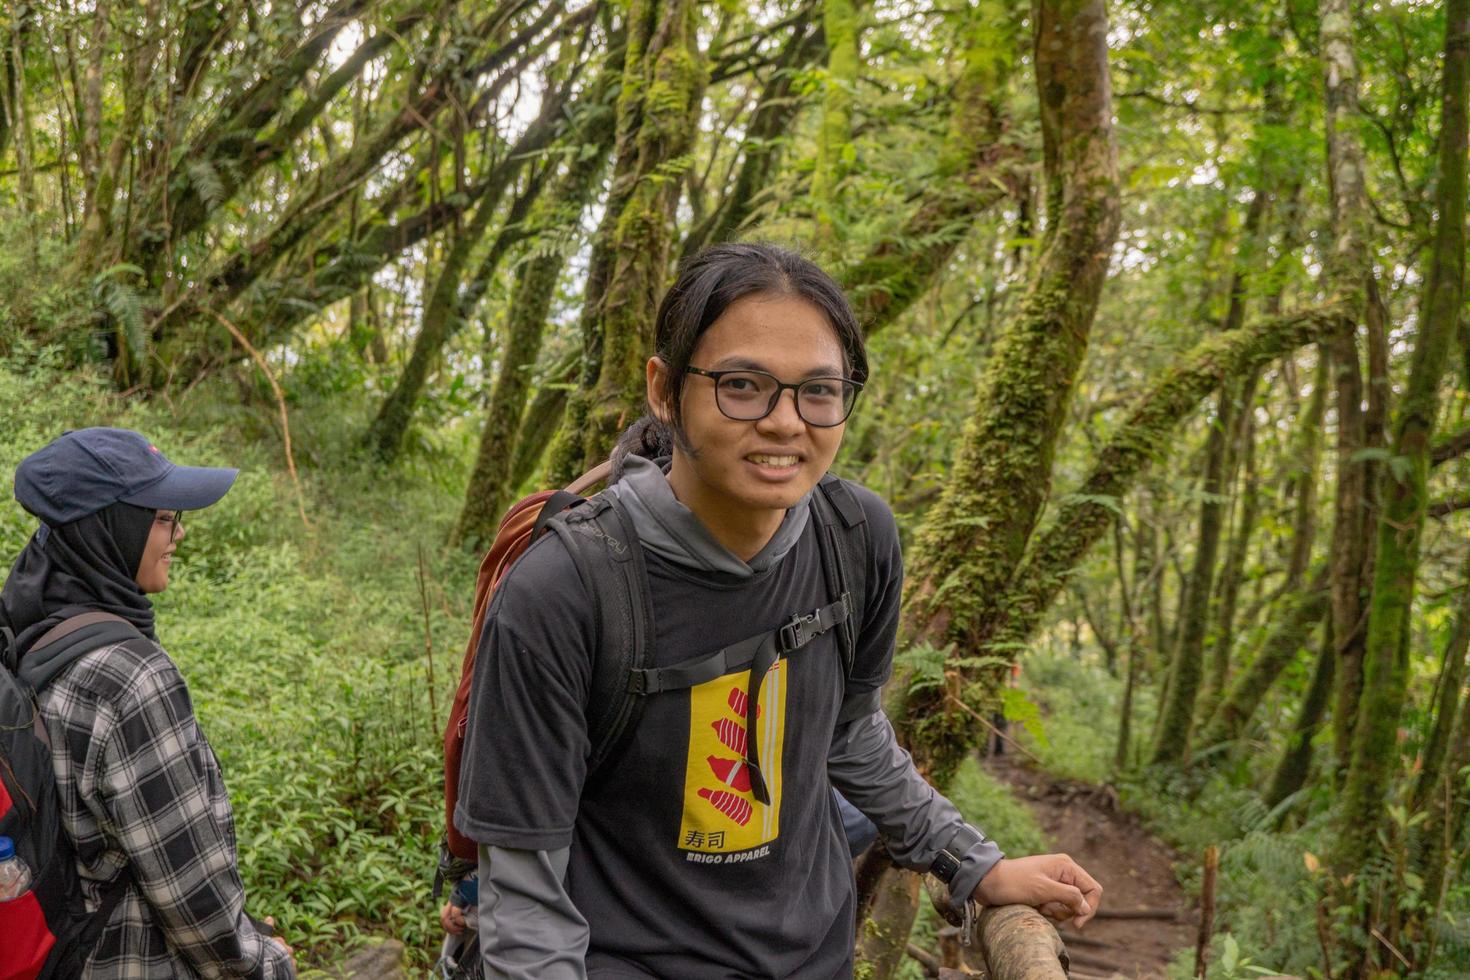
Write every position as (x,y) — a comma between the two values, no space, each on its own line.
(89,469)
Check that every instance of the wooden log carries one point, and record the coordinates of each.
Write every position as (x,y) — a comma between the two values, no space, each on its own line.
(380,961)
(1019,944)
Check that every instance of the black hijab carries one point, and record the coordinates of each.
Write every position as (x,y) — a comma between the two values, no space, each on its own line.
(87,564)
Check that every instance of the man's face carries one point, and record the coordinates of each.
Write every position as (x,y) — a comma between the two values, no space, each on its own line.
(767,464)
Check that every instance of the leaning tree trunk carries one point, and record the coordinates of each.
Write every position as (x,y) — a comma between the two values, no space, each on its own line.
(1403,488)
(1289,636)
(977,531)
(1296,761)
(976,534)
(438,324)
(976,168)
(490,485)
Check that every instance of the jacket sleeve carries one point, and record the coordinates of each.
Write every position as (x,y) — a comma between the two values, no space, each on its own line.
(529,928)
(157,787)
(870,768)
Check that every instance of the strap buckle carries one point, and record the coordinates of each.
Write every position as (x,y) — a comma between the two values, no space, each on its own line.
(798,633)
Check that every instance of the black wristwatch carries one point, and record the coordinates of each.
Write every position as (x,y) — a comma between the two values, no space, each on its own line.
(947,862)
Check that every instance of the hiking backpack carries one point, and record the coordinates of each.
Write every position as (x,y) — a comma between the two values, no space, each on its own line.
(48,932)
(604,546)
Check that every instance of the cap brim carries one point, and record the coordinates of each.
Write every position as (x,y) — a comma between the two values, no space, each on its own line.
(186,488)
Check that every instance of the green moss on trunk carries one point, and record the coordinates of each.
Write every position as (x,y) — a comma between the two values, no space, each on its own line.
(663,81)
(1403,488)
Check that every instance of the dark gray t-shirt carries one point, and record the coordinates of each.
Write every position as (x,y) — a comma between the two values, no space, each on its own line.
(679,871)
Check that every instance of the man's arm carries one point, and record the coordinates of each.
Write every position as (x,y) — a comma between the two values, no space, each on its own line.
(529,928)
(870,768)
(155,791)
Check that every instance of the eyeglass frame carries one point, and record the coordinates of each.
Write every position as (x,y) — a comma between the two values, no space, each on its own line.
(174,523)
(781,387)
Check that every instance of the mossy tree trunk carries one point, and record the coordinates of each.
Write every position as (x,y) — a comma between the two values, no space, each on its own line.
(663,81)
(1349,267)
(440,322)
(1186,673)
(490,483)
(1232,570)
(775,113)
(1171,744)
(841,24)
(977,168)
(1403,488)
(1288,637)
(1448,805)
(1296,761)
(1447,703)
(975,535)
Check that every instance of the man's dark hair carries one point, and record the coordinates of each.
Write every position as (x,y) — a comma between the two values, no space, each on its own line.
(707,285)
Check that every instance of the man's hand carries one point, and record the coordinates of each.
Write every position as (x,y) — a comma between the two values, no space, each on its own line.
(1053,884)
(452,919)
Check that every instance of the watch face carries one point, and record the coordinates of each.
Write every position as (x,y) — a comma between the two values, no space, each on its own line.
(945,867)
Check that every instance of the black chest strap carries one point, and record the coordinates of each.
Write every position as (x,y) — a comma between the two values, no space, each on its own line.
(759,653)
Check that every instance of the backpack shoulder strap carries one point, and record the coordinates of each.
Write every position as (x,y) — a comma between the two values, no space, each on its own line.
(844,542)
(70,640)
(605,548)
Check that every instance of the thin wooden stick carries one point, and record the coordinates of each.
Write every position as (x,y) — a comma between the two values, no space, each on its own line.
(1207,912)
(280,403)
(1096,962)
(1168,915)
(428,644)
(976,715)
(924,958)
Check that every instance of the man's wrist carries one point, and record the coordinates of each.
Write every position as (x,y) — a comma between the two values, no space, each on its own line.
(975,855)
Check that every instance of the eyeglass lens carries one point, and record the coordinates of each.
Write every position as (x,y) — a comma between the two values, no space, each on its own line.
(750,395)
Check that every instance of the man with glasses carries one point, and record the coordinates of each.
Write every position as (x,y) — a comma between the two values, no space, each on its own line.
(708,842)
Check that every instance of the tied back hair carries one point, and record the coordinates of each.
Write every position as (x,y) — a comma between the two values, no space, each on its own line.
(707,285)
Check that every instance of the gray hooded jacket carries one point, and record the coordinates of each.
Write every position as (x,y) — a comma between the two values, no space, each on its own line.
(529,927)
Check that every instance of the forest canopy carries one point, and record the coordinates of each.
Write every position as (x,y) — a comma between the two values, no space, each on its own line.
(1170,381)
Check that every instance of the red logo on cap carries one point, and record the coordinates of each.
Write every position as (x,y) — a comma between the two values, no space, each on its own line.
(153,449)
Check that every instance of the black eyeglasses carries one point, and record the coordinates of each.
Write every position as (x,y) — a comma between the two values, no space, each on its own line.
(174,522)
(746,396)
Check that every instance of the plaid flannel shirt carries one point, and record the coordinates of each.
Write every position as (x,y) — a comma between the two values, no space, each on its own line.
(141,789)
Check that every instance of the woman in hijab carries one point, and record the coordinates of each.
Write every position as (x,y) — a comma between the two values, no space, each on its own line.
(142,800)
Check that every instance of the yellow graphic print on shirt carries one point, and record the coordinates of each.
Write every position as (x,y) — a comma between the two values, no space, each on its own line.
(720,813)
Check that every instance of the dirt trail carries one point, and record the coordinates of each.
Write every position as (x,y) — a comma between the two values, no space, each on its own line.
(1134,867)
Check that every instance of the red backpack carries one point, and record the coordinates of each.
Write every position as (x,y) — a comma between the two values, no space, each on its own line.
(525,521)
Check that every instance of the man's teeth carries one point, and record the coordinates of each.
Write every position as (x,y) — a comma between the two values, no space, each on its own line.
(763,460)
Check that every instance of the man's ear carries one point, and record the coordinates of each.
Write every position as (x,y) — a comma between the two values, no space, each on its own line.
(657,375)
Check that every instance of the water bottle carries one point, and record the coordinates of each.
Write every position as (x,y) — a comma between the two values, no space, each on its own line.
(15,876)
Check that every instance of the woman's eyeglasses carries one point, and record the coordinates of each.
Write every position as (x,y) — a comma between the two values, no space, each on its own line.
(747,396)
(174,520)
